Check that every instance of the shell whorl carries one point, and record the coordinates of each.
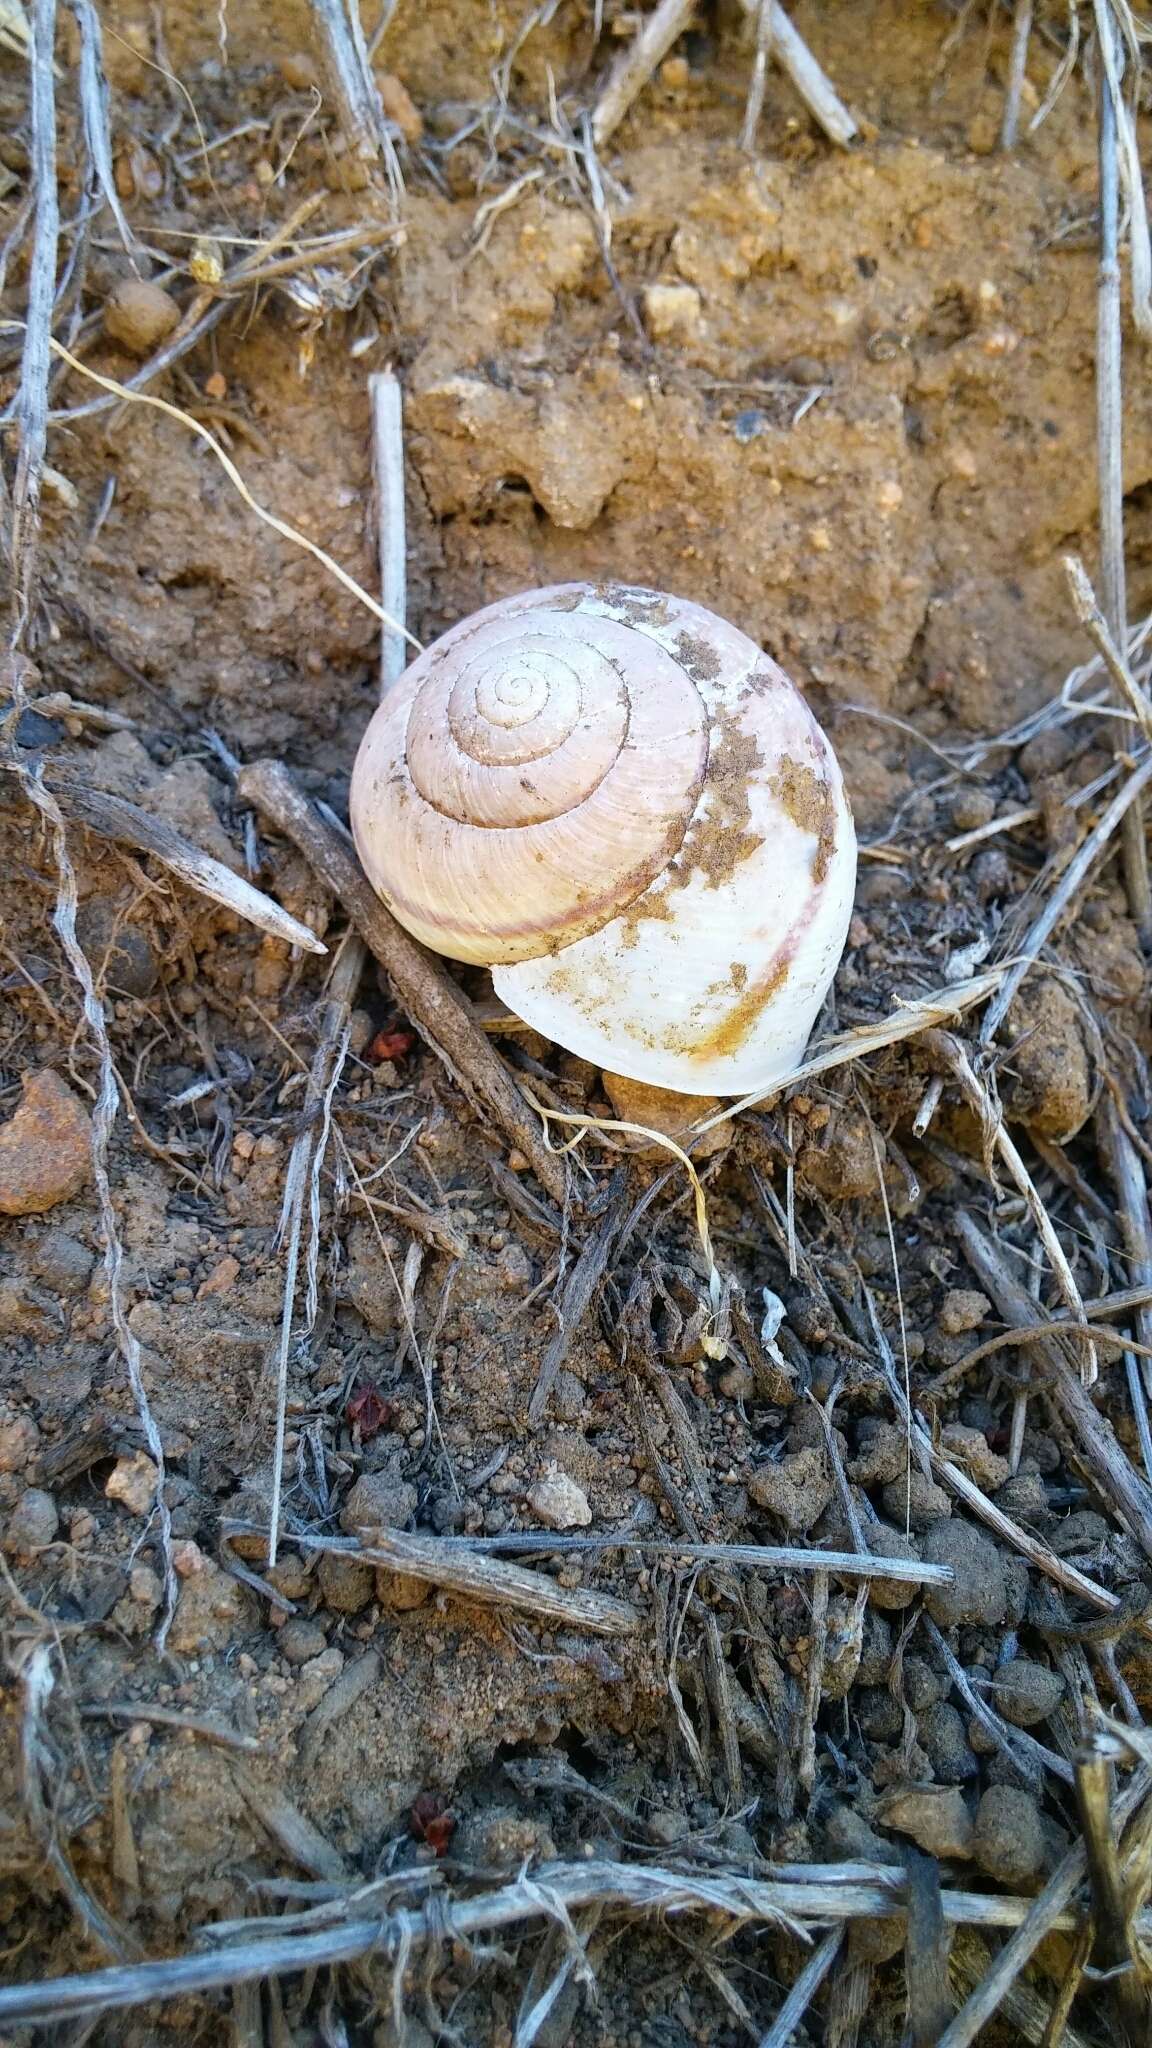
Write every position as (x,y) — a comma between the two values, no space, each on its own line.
(505,801)
(614,799)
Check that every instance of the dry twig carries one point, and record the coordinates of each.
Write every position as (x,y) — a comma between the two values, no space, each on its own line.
(437,1007)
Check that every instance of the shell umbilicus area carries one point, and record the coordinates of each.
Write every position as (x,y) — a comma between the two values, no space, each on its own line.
(616,801)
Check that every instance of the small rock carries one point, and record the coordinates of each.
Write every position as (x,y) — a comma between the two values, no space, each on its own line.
(558,1502)
(979,1589)
(880,1716)
(139,315)
(922,1685)
(514,1269)
(61,1261)
(935,1817)
(401,1591)
(882,1455)
(1025,1498)
(379,1500)
(24,1312)
(1008,1838)
(662,1109)
(568,1397)
(345,1583)
(187,1557)
(32,1523)
(121,956)
(19,1440)
(672,311)
(298,70)
(963,1309)
(208,1612)
(145,1587)
(299,1640)
(1075,1536)
(944,1740)
(797,1490)
(970,1448)
(132,1481)
(45,1147)
(1049,1085)
(289,1576)
(399,106)
(875,1648)
(917,1499)
(316,1677)
(221,1279)
(1026,1693)
(503,1839)
(884,1541)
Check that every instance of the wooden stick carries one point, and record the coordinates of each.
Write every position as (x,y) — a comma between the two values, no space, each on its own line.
(1110,435)
(439,1009)
(113,817)
(631,74)
(32,395)
(1017,63)
(813,84)
(386,400)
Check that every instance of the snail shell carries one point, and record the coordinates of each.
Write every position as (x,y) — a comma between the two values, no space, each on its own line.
(619,803)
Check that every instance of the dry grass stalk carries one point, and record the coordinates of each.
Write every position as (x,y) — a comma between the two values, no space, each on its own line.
(473,1577)
(1017,66)
(354,89)
(813,84)
(556,1889)
(114,818)
(1110,1913)
(94,107)
(1028,949)
(995,1133)
(1041,1919)
(1110,426)
(437,1007)
(648,49)
(756,1557)
(171,1717)
(1103,1457)
(1096,626)
(386,401)
(32,396)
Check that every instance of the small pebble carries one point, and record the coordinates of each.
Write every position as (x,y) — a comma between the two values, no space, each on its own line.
(299,1640)
(400,1591)
(379,1500)
(1008,1838)
(132,1481)
(882,1454)
(139,315)
(922,1686)
(991,871)
(45,1147)
(884,1541)
(1026,1693)
(963,1309)
(916,1499)
(944,1739)
(970,1448)
(61,1261)
(936,1818)
(979,1590)
(399,105)
(1025,1498)
(797,1490)
(32,1523)
(671,311)
(346,1584)
(558,1502)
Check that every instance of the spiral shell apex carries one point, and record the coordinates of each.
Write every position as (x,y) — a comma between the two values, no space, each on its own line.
(618,802)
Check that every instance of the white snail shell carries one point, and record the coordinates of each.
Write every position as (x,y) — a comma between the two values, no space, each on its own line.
(619,803)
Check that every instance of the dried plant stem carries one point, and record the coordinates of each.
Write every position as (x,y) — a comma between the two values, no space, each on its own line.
(1017,65)
(754,106)
(1063,896)
(32,396)
(556,1889)
(1094,1799)
(486,1579)
(353,87)
(635,67)
(1044,1915)
(303,1181)
(953,1055)
(1103,1456)
(94,105)
(386,401)
(113,817)
(815,88)
(438,1008)
(103,1120)
(1110,436)
(1110,651)
(803,1991)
